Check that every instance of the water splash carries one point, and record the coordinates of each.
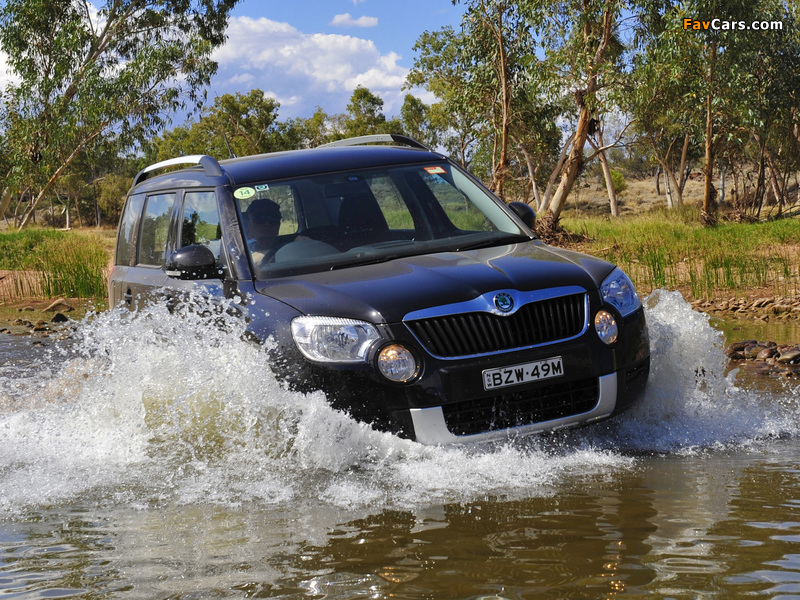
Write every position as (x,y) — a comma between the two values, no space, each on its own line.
(155,408)
(692,403)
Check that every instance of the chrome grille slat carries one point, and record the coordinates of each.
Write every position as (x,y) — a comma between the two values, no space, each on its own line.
(475,333)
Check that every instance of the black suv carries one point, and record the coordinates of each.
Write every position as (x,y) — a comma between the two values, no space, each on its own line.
(392,280)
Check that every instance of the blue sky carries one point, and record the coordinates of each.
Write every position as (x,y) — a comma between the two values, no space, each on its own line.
(309,53)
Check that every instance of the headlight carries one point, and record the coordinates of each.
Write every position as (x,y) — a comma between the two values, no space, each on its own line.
(396,363)
(618,291)
(333,339)
(606,327)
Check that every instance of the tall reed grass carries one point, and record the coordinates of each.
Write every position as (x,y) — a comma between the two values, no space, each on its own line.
(48,263)
(671,249)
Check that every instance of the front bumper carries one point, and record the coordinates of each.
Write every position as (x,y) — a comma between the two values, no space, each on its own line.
(431,428)
(448,403)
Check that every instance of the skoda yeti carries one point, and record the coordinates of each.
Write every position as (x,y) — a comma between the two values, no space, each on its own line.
(393,281)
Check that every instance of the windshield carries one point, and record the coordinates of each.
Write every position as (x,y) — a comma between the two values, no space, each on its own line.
(338,220)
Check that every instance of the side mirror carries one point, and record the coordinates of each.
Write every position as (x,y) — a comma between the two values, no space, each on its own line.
(524,212)
(193,262)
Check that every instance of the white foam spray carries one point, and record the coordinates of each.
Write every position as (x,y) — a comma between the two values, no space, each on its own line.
(155,408)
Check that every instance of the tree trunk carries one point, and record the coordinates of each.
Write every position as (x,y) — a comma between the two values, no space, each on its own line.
(5,201)
(612,193)
(708,216)
(500,168)
(54,177)
(671,182)
(670,201)
(685,170)
(574,164)
(548,192)
(658,180)
(532,171)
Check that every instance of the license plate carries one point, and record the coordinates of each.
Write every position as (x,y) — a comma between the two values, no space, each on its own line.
(524,373)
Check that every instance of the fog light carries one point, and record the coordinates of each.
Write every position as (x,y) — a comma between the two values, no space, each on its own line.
(396,363)
(606,327)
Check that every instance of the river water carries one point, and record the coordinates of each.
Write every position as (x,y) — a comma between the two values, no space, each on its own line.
(156,457)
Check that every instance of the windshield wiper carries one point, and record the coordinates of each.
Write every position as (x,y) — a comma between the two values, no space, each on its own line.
(360,262)
(493,242)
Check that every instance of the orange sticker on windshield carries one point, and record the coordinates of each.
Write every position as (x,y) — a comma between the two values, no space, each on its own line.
(435,170)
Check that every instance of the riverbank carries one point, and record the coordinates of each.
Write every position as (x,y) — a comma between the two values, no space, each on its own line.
(42,316)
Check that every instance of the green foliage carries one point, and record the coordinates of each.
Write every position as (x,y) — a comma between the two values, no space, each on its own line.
(732,90)
(118,74)
(238,124)
(17,249)
(73,267)
(617,180)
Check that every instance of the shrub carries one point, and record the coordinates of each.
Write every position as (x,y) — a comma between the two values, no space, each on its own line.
(617,180)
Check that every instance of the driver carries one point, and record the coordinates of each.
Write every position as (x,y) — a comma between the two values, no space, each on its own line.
(262,223)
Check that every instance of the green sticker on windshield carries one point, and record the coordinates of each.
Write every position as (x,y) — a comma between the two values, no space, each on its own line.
(244,193)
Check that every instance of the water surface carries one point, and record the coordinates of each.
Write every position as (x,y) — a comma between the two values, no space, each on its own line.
(156,457)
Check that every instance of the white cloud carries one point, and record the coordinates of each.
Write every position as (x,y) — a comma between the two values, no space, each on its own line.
(305,70)
(345,20)
(7,76)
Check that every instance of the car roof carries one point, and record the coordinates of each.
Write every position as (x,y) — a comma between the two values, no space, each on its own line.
(281,165)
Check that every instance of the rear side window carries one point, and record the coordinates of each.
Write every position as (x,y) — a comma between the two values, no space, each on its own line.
(200,223)
(155,229)
(126,241)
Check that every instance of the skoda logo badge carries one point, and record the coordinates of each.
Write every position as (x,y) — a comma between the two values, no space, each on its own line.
(504,302)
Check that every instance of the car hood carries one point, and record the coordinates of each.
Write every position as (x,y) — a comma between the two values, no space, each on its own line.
(387,291)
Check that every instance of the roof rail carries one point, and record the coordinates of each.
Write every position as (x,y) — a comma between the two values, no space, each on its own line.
(378,137)
(210,166)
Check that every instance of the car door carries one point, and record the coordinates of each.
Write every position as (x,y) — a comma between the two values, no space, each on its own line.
(126,251)
(145,281)
(198,224)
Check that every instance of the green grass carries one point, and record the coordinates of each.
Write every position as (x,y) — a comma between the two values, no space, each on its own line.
(17,248)
(671,249)
(48,263)
(657,249)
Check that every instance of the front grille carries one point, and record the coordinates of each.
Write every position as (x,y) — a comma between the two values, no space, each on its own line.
(515,409)
(483,333)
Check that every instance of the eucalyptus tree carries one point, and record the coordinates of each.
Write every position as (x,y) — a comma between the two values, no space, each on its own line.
(365,115)
(582,49)
(768,113)
(663,94)
(88,71)
(441,67)
(420,121)
(477,74)
(711,77)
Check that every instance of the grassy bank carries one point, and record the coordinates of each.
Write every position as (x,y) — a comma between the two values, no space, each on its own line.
(658,248)
(44,263)
(670,249)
